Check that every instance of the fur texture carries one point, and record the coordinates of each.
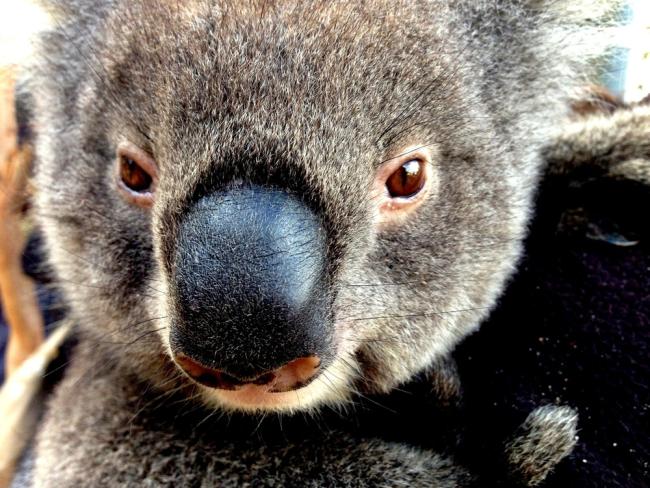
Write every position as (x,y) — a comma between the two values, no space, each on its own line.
(600,143)
(136,437)
(547,436)
(311,98)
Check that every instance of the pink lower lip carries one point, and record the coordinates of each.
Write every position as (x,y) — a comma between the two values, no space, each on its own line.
(252,395)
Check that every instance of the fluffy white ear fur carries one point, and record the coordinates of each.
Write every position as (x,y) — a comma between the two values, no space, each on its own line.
(585,10)
(585,28)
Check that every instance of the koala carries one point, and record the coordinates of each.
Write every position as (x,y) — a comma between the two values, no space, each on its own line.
(262,215)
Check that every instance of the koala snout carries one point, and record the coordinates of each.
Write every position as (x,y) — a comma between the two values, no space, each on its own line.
(249,291)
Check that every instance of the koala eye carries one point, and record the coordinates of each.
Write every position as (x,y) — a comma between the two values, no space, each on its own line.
(133,176)
(402,184)
(136,175)
(407,180)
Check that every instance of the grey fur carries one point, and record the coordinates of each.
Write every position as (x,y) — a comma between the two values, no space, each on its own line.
(319,91)
(603,142)
(445,382)
(547,436)
(124,440)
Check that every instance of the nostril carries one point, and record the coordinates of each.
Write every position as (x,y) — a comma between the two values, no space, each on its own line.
(215,378)
(296,374)
(264,379)
(204,375)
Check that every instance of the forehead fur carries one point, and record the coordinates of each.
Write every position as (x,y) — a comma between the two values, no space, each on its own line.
(279,81)
(311,96)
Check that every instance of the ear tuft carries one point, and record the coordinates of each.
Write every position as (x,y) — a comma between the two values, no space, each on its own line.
(588,28)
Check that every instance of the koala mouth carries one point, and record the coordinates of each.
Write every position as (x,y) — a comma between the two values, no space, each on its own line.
(331,385)
(291,376)
(301,384)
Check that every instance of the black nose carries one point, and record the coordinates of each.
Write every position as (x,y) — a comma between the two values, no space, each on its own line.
(248,288)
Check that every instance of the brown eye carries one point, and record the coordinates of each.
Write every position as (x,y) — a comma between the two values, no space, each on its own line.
(407,180)
(404,181)
(137,175)
(133,176)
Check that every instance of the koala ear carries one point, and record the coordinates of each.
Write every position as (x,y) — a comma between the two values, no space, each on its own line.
(581,29)
(547,436)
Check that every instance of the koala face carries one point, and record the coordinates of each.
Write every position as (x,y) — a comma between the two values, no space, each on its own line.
(277,205)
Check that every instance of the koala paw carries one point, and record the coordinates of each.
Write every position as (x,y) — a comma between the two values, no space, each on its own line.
(547,436)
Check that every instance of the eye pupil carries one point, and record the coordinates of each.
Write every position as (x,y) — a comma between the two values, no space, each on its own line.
(133,176)
(407,180)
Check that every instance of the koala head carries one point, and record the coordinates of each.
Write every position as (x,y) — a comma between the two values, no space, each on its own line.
(281,203)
